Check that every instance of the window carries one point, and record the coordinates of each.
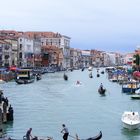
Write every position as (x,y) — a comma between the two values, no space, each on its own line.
(20,46)
(20,55)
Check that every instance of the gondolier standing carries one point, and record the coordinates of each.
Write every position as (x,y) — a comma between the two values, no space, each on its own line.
(65,132)
(28,134)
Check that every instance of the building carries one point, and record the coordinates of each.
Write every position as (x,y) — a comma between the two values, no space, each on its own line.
(86,58)
(5,54)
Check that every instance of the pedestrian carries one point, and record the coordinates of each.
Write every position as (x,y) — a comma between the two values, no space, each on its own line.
(65,132)
(28,134)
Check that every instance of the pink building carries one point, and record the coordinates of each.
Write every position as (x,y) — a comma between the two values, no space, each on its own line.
(128,59)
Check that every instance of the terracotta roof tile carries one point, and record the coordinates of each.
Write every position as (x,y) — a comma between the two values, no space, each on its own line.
(43,34)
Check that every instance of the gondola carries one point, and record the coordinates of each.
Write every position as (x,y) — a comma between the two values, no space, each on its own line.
(102,72)
(102,91)
(98,137)
(65,77)
(82,69)
(90,75)
(98,75)
(38,77)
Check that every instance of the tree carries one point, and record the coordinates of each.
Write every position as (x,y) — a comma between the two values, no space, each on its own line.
(136,59)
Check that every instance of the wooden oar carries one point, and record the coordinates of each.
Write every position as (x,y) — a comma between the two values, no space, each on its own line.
(48,138)
(74,137)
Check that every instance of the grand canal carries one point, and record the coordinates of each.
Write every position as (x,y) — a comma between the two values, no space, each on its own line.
(46,104)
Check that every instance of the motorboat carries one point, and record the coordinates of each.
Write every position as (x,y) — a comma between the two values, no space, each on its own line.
(130,87)
(2,81)
(131,120)
(137,91)
(136,96)
(24,76)
(113,79)
(90,68)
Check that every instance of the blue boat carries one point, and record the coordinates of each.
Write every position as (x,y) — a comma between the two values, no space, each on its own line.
(130,87)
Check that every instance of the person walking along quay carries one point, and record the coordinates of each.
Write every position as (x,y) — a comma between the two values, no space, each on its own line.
(65,132)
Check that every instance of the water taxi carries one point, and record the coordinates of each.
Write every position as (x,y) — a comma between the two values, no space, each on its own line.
(25,76)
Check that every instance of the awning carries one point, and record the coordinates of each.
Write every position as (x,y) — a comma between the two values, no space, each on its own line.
(13,68)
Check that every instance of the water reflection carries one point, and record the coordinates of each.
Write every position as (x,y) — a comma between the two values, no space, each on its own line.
(131,135)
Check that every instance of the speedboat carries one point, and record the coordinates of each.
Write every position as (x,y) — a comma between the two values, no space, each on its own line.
(131,120)
(2,81)
(90,68)
(137,91)
(136,97)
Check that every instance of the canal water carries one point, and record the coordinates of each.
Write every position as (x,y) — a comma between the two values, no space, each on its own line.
(46,104)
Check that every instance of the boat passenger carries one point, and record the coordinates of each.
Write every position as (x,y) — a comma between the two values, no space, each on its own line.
(65,132)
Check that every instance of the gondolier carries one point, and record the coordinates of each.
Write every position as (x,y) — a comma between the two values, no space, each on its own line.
(101,86)
(28,134)
(65,132)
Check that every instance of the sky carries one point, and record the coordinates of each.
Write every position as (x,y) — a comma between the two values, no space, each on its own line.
(106,25)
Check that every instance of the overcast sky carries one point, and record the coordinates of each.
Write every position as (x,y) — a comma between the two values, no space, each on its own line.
(108,25)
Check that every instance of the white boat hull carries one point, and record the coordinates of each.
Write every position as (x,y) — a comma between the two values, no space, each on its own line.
(131,120)
(131,126)
(90,68)
(2,81)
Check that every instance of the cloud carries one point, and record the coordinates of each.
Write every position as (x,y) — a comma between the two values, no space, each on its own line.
(115,23)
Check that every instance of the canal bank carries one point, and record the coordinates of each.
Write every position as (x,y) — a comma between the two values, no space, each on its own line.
(46,104)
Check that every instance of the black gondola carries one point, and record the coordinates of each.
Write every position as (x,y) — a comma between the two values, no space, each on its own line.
(102,91)
(90,75)
(38,77)
(65,77)
(102,72)
(98,75)
(98,137)
(82,69)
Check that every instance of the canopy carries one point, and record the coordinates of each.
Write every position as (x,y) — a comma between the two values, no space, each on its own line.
(136,73)
(119,72)
(13,68)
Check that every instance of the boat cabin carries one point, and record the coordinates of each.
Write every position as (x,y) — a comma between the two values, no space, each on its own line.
(24,74)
